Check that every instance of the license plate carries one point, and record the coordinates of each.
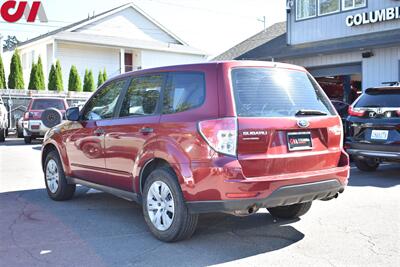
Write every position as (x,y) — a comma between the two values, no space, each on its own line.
(299,141)
(379,134)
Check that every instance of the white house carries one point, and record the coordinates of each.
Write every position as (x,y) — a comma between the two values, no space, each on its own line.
(119,40)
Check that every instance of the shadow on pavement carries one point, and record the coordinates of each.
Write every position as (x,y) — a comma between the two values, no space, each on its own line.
(385,176)
(95,229)
(19,142)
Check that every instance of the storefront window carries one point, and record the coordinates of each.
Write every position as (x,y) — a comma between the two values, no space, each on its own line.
(306,9)
(328,6)
(351,4)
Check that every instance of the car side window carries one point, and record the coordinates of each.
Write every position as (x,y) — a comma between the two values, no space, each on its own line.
(103,104)
(142,96)
(184,91)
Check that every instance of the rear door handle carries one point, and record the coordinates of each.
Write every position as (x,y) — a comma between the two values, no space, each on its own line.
(99,132)
(146,130)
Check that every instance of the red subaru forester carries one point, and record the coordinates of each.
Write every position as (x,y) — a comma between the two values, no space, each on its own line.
(229,137)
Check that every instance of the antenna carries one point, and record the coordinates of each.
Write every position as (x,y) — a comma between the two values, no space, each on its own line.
(264,21)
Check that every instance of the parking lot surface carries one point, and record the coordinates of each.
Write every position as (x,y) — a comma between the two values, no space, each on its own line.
(360,228)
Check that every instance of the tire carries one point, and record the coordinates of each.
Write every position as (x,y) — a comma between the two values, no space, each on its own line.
(63,190)
(290,212)
(28,139)
(2,135)
(7,132)
(20,134)
(366,165)
(183,223)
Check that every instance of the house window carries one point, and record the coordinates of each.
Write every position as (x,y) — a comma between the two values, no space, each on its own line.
(328,6)
(306,9)
(351,4)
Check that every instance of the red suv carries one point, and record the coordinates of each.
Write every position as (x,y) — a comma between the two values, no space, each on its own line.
(41,115)
(227,137)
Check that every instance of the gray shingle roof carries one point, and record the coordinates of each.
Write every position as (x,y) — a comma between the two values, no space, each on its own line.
(259,39)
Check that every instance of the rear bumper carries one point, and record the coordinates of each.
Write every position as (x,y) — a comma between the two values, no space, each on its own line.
(374,151)
(34,128)
(286,195)
(374,154)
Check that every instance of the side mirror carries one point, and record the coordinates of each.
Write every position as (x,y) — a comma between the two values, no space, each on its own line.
(72,114)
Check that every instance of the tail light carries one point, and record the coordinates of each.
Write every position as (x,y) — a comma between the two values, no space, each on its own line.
(220,135)
(28,115)
(356,112)
(398,112)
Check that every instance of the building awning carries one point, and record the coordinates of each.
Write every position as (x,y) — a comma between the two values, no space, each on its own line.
(279,49)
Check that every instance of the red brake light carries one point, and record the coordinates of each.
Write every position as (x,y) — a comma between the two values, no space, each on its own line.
(356,112)
(398,112)
(220,135)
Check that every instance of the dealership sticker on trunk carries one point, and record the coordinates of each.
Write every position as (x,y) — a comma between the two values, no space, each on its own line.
(379,134)
(299,141)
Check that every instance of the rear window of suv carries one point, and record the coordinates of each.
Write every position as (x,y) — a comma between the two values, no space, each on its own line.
(275,92)
(379,99)
(42,104)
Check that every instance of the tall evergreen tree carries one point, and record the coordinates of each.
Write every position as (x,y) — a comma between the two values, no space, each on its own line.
(40,74)
(88,81)
(100,79)
(52,85)
(16,77)
(59,79)
(105,75)
(3,84)
(33,78)
(74,81)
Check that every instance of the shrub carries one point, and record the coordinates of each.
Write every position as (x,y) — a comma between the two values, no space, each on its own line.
(40,74)
(3,84)
(16,77)
(74,81)
(52,79)
(105,75)
(100,79)
(88,81)
(33,78)
(59,79)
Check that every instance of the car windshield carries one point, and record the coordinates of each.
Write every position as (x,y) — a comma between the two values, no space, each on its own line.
(42,104)
(274,92)
(379,99)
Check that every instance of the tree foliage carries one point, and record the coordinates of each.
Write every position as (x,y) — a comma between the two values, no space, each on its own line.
(40,74)
(88,81)
(33,81)
(52,79)
(100,79)
(59,79)
(11,42)
(16,77)
(105,75)
(74,81)
(3,84)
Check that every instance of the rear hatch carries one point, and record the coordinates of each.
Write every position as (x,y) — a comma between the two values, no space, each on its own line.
(375,117)
(286,123)
(39,105)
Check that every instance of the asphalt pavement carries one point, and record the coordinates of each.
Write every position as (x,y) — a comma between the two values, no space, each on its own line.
(360,228)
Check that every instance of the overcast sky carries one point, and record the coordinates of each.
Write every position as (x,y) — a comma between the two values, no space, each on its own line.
(210,25)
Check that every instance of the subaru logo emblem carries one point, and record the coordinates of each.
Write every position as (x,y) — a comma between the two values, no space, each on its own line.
(303,123)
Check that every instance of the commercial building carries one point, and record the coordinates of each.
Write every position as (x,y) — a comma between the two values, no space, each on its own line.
(348,45)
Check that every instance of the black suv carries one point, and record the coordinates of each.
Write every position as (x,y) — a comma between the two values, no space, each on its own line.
(374,127)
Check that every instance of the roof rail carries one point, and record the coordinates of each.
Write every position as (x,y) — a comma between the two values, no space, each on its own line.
(392,83)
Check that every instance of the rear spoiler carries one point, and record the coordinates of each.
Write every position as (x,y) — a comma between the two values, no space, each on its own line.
(388,90)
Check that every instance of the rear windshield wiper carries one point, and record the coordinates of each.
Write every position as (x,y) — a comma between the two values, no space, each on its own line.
(310,112)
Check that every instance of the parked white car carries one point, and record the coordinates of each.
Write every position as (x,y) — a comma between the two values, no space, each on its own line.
(3,120)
